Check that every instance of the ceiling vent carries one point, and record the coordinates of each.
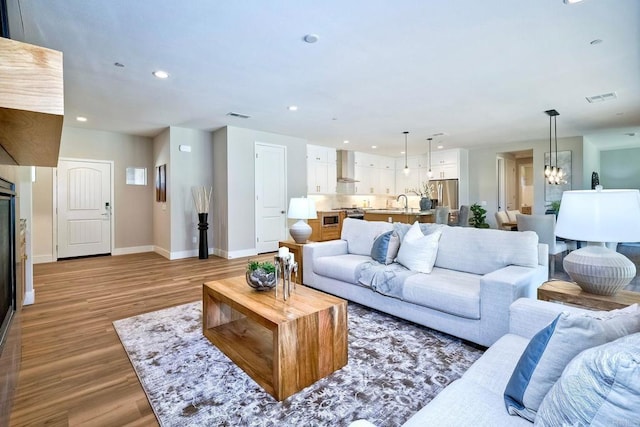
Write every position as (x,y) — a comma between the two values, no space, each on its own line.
(238,115)
(601,98)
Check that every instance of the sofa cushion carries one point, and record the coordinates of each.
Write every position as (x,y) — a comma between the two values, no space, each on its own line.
(385,247)
(361,234)
(449,291)
(551,349)
(465,403)
(345,268)
(513,215)
(417,251)
(481,251)
(608,380)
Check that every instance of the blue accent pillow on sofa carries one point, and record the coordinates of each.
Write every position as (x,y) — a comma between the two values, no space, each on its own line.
(551,349)
(385,247)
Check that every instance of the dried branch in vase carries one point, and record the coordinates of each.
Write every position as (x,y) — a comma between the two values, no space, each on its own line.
(201,198)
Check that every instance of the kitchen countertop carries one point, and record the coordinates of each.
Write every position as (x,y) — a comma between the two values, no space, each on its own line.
(410,211)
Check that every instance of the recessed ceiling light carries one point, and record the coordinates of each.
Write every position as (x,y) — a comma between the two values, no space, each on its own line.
(346,141)
(440,146)
(402,152)
(161,74)
(571,1)
(311,38)
(595,42)
(374,146)
(81,119)
(292,108)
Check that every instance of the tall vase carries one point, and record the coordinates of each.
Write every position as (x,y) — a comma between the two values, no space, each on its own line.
(203,225)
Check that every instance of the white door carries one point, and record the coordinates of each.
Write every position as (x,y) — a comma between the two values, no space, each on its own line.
(271,196)
(84,208)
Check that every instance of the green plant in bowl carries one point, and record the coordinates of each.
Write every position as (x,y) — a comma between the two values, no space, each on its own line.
(478,220)
(261,275)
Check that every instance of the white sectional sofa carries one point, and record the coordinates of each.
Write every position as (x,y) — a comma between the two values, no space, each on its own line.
(477,274)
(606,378)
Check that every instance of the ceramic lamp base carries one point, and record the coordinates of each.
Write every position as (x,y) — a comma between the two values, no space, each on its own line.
(599,270)
(300,231)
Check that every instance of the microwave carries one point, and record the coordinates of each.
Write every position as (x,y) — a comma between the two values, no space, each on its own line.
(330,219)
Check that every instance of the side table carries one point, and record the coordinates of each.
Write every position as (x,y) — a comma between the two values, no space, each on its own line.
(296,250)
(572,294)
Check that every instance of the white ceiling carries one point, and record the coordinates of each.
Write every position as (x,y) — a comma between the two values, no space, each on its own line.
(482,72)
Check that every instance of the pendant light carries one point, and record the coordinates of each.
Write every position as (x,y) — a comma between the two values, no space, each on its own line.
(430,174)
(552,172)
(406,169)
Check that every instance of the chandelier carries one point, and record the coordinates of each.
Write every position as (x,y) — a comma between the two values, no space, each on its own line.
(553,174)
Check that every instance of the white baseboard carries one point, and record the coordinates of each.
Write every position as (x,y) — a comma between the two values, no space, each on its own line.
(132,250)
(29,298)
(184,254)
(162,252)
(219,252)
(41,259)
(241,254)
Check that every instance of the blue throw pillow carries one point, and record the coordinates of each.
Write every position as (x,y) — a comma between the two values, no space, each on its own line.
(385,247)
(551,349)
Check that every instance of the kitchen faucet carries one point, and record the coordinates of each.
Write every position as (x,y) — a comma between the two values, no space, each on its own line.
(406,201)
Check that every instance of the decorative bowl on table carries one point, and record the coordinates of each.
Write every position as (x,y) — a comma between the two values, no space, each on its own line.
(261,276)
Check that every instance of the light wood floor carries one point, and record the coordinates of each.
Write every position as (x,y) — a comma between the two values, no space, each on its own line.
(74,370)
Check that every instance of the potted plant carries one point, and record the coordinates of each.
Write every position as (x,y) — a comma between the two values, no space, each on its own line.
(261,275)
(478,220)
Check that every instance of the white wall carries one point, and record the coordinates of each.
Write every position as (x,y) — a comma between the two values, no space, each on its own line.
(161,210)
(239,189)
(483,179)
(591,162)
(188,169)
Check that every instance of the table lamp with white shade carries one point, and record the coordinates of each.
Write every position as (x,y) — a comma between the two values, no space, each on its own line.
(598,217)
(301,208)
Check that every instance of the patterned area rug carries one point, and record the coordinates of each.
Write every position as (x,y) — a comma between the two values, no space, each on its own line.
(394,369)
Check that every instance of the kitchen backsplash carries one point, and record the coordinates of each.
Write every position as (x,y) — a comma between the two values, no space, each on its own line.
(334,201)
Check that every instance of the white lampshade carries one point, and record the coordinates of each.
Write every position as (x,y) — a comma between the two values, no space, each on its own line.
(301,208)
(599,216)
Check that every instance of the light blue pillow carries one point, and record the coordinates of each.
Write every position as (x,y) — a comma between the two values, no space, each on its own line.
(385,247)
(551,349)
(601,386)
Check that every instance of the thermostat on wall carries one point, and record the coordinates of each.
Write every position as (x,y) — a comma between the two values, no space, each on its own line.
(185,148)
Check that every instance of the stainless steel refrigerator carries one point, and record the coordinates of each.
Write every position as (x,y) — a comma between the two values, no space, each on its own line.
(446,192)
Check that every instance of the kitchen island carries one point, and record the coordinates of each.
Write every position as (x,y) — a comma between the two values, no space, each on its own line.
(400,215)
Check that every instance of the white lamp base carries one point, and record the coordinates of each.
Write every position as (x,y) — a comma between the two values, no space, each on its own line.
(599,270)
(300,231)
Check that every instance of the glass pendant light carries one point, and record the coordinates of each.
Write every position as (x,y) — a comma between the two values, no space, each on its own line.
(552,172)
(406,169)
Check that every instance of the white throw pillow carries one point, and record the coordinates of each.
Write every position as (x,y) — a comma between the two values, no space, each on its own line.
(417,251)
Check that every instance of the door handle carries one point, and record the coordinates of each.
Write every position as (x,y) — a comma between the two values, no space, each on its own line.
(282,212)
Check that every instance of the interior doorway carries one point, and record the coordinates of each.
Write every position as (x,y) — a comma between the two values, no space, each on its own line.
(515,181)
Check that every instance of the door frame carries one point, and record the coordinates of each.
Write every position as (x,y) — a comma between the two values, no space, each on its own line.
(55,201)
(255,191)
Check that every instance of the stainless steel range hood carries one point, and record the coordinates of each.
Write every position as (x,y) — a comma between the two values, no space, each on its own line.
(346,165)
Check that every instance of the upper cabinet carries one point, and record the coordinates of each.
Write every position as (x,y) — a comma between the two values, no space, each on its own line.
(376,174)
(445,164)
(321,170)
(31,104)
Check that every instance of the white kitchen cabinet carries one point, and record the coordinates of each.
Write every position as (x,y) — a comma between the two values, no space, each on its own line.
(376,174)
(321,170)
(445,164)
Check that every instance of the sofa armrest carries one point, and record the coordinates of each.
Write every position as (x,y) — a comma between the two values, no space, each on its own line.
(498,290)
(528,316)
(311,251)
(543,254)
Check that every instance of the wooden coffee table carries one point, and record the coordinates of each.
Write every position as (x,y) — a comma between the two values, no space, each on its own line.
(571,293)
(283,345)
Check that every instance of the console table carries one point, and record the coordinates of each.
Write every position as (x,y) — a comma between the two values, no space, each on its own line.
(572,294)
